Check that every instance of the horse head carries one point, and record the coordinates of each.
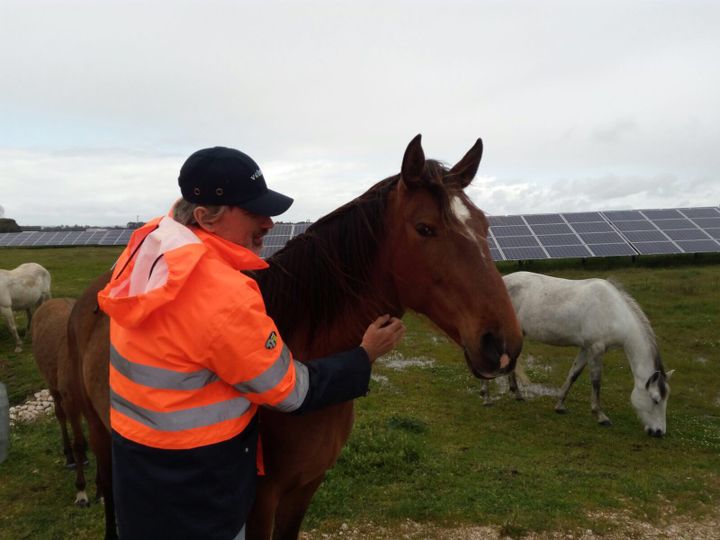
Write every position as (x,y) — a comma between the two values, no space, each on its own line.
(441,263)
(650,402)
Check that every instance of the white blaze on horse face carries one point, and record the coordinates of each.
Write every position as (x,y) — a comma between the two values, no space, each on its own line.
(462,213)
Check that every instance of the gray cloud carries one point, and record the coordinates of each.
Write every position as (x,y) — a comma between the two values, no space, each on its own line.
(102,101)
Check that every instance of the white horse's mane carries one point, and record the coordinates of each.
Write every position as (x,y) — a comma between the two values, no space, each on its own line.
(644,322)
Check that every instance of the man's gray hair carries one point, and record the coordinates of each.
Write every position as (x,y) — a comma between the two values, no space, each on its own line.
(183,212)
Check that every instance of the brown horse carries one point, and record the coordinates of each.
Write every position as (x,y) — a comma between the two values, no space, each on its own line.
(50,350)
(413,241)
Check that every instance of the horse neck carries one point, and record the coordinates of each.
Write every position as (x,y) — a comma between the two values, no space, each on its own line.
(640,349)
(345,331)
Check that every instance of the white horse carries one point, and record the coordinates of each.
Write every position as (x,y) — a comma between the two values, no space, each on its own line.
(24,288)
(595,315)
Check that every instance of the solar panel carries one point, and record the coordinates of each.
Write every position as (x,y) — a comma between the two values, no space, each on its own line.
(687,234)
(543,219)
(623,215)
(634,225)
(524,253)
(512,230)
(645,236)
(516,241)
(661,214)
(674,224)
(602,238)
(656,248)
(554,228)
(499,221)
(700,212)
(564,252)
(707,223)
(300,228)
(496,255)
(592,227)
(276,240)
(582,217)
(560,240)
(282,229)
(611,250)
(699,246)
(715,233)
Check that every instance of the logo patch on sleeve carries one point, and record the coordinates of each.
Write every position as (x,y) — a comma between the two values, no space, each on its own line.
(271,340)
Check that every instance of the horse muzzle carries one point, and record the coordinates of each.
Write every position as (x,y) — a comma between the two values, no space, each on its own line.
(491,359)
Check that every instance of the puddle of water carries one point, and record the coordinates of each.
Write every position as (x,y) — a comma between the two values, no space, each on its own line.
(500,387)
(395,360)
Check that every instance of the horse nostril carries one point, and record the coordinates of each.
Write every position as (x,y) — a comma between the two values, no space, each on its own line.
(654,432)
(490,346)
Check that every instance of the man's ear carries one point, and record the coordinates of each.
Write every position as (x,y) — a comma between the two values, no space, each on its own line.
(200,214)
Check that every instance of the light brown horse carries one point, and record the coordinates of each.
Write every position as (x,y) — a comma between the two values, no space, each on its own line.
(413,241)
(50,350)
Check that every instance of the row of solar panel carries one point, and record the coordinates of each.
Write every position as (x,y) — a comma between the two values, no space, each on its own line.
(282,232)
(605,234)
(521,237)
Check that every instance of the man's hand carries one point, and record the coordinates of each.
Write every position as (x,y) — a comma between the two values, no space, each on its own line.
(382,335)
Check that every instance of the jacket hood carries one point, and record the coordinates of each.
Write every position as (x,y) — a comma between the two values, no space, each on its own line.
(156,265)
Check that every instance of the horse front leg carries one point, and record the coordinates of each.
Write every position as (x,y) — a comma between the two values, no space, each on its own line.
(514,388)
(292,509)
(595,403)
(9,316)
(485,393)
(579,364)
(259,524)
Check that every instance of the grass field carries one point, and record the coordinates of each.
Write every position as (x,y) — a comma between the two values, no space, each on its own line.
(424,447)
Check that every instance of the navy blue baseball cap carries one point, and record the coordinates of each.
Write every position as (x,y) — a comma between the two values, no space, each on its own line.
(225,176)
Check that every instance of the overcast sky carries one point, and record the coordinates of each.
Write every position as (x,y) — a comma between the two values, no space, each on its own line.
(581,105)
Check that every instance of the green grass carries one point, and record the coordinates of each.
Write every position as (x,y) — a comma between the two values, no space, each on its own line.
(425,448)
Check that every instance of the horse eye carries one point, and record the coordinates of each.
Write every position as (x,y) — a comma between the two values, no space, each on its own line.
(425,230)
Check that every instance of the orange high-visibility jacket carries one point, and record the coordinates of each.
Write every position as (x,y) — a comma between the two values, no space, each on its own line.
(193,352)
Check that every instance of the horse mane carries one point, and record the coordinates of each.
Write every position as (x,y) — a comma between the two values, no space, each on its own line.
(322,272)
(644,322)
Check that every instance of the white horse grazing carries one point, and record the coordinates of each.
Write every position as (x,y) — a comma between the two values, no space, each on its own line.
(24,288)
(595,315)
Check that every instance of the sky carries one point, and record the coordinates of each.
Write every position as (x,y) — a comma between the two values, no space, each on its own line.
(581,105)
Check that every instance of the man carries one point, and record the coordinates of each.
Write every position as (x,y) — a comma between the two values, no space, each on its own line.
(193,355)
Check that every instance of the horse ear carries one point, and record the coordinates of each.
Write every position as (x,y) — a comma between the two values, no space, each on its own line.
(462,174)
(413,163)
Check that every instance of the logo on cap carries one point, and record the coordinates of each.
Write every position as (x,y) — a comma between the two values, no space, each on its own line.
(257,174)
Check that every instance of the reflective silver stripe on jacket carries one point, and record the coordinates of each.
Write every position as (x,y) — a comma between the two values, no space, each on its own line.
(269,378)
(160,378)
(181,420)
(297,396)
